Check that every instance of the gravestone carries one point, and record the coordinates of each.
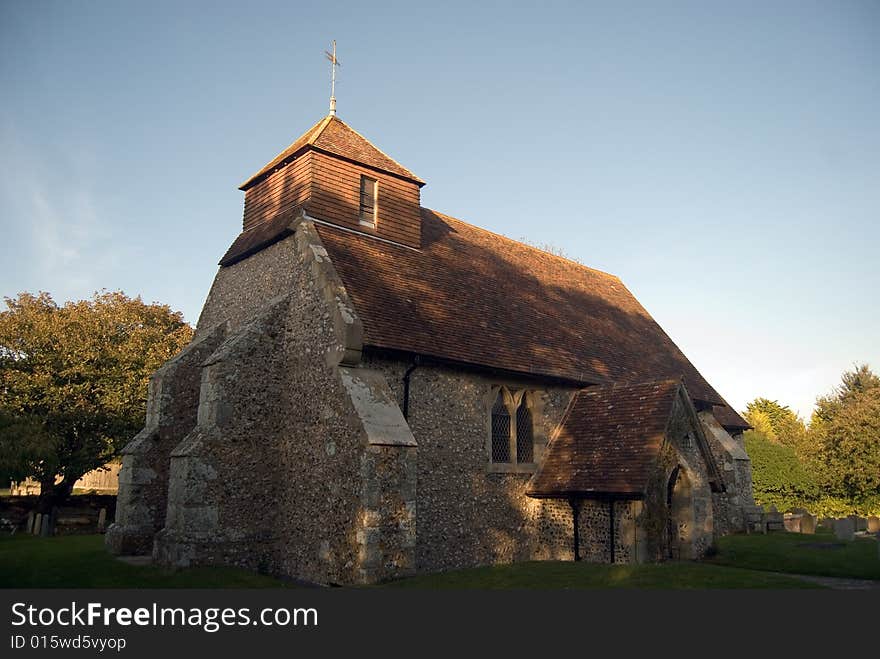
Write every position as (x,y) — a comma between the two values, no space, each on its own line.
(792,522)
(873,524)
(102,520)
(861,524)
(844,529)
(30,522)
(38,524)
(808,524)
(45,526)
(773,520)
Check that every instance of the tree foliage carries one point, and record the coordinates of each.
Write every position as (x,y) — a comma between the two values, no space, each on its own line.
(846,425)
(73,381)
(778,476)
(776,421)
(832,467)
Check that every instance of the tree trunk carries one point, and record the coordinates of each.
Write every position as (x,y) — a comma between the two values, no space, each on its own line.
(54,494)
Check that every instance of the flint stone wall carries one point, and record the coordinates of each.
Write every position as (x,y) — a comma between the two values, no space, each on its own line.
(467,514)
(735,468)
(172,405)
(240,291)
(277,424)
(594,526)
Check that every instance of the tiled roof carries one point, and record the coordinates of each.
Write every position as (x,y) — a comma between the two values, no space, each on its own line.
(473,296)
(333,135)
(729,418)
(608,441)
(259,237)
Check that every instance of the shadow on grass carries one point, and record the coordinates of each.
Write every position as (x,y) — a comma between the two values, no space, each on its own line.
(81,561)
(742,562)
(558,575)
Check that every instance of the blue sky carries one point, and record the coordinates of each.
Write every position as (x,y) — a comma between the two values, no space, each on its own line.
(722,158)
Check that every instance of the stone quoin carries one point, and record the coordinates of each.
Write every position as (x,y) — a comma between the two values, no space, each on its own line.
(376,389)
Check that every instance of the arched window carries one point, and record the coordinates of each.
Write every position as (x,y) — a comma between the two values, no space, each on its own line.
(500,430)
(525,438)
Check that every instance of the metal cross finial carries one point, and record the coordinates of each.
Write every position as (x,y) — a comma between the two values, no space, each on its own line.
(334,62)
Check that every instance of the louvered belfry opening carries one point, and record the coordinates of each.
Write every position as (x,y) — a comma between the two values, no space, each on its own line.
(369,192)
(500,430)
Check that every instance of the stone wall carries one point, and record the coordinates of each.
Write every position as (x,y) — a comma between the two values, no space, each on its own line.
(281,421)
(240,291)
(594,525)
(736,472)
(661,526)
(172,404)
(468,514)
(228,461)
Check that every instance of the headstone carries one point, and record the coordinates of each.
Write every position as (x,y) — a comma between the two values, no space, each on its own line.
(873,524)
(808,524)
(792,522)
(844,529)
(102,520)
(38,524)
(30,522)
(774,521)
(45,527)
(861,524)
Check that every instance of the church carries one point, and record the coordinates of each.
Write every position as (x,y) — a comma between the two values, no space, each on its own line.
(376,389)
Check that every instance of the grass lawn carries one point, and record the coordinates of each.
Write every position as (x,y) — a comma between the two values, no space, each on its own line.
(568,575)
(742,562)
(796,553)
(80,561)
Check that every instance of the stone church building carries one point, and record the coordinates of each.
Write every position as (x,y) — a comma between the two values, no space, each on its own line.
(376,389)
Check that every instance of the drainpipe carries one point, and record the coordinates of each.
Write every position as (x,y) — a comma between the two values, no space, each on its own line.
(406,376)
(611,527)
(575,514)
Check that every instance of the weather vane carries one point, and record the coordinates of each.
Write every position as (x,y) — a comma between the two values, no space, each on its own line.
(334,62)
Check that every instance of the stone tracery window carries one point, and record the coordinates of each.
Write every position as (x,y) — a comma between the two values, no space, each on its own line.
(525,439)
(512,429)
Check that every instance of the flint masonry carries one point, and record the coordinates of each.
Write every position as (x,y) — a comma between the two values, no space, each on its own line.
(376,389)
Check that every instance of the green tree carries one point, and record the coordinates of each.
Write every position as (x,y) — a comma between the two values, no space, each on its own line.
(846,427)
(779,477)
(777,422)
(73,382)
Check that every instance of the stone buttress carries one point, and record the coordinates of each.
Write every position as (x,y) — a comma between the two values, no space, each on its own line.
(268,445)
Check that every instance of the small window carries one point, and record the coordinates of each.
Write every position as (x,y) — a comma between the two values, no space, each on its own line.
(369,193)
(500,430)
(688,440)
(525,439)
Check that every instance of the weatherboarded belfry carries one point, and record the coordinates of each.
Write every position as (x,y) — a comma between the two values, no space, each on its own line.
(376,389)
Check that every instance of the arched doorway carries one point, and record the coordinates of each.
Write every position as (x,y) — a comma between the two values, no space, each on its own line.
(680,515)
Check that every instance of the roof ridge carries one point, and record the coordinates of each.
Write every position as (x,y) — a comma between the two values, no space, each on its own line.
(527,246)
(321,126)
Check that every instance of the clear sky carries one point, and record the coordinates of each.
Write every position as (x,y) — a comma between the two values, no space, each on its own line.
(722,158)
